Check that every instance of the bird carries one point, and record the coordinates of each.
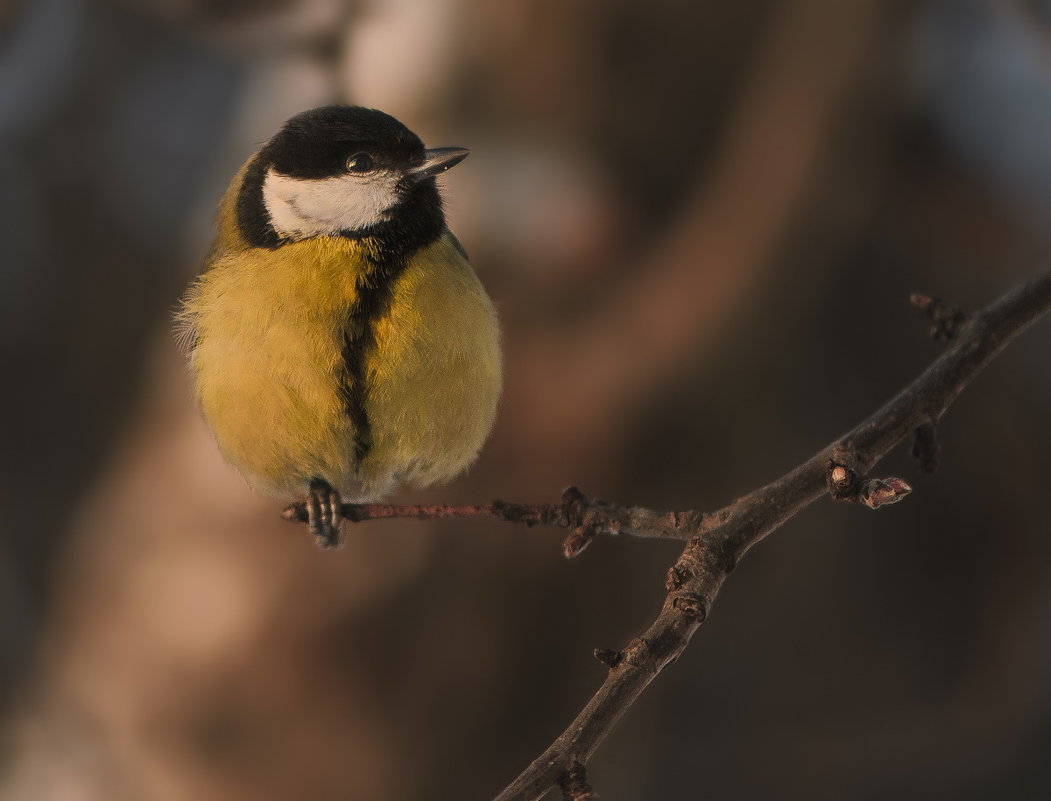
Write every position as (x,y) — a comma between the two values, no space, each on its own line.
(340,344)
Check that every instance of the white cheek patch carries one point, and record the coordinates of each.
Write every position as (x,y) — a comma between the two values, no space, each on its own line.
(301,207)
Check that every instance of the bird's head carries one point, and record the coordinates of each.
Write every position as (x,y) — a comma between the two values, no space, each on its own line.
(341,171)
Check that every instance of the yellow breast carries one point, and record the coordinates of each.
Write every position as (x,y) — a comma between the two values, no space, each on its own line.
(270,328)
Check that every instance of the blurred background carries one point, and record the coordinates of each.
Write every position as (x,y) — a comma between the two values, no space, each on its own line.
(700,222)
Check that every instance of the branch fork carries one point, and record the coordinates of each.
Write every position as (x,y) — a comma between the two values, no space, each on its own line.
(946,318)
(574,784)
(844,484)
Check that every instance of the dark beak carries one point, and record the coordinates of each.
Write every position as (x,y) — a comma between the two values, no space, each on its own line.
(437,160)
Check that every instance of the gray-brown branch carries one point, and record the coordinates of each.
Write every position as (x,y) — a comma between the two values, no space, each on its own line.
(716,541)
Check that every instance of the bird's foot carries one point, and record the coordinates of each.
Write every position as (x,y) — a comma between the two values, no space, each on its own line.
(324,513)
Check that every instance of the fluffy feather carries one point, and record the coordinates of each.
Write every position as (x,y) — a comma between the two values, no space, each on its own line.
(268,327)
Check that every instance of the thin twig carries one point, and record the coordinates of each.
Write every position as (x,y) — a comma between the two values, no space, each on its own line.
(586,517)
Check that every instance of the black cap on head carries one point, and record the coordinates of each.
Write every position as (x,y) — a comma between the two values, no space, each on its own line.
(316,143)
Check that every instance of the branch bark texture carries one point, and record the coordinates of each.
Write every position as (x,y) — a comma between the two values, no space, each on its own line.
(716,541)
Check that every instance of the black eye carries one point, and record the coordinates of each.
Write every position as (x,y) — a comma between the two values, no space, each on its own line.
(360,162)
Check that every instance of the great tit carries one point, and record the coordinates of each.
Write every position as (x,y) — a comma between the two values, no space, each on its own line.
(340,342)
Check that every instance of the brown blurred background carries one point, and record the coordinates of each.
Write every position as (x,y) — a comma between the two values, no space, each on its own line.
(700,221)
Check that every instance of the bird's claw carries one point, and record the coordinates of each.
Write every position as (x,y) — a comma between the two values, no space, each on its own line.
(324,513)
